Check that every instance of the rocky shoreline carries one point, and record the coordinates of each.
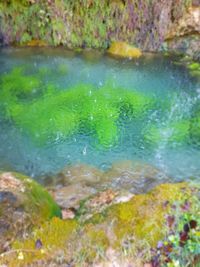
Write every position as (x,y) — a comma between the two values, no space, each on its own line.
(96,224)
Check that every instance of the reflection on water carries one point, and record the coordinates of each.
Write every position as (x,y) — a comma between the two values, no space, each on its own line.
(58,108)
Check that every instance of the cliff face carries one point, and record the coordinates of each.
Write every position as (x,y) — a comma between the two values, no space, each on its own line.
(96,23)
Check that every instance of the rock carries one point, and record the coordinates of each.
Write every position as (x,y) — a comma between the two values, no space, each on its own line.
(36,43)
(68,214)
(134,227)
(183,36)
(71,196)
(188,24)
(23,204)
(80,173)
(137,177)
(101,201)
(123,49)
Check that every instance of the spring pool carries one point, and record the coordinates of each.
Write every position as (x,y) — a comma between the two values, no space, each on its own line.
(59,108)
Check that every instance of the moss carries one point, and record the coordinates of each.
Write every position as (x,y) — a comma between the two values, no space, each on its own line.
(194,66)
(38,201)
(144,215)
(143,218)
(53,235)
(33,43)
(124,50)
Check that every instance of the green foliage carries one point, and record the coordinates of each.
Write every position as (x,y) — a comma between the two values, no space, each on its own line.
(50,115)
(86,23)
(185,250)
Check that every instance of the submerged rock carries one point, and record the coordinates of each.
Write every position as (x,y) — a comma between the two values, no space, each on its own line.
(137,177)
(76,183)
(80,173)
(23,204)
(123,49)
(70,196)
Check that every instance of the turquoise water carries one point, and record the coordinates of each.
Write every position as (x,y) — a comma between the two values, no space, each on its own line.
(160,129)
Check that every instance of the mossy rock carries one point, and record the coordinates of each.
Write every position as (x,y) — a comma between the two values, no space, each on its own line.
(123,49)
(142,219)
(24,204)
(194,69)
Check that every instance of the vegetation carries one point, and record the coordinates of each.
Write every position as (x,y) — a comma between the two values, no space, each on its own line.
(148,227)
(86,23)
(56,115)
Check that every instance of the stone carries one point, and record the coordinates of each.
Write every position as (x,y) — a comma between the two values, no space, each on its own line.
(123,49)
(80,173)
(71,196)
(183,36)
(188,24)
(36,43)
(23,204)
(136,177)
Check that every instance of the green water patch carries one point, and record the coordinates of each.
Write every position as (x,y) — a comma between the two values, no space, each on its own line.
(60,108)
(47,114)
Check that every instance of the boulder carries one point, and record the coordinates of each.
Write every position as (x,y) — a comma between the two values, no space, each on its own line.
(123,49)
(23,204)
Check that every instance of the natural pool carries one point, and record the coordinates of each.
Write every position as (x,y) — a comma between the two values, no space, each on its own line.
(59,108)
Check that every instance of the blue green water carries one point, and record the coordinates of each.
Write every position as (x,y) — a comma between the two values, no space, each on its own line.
(159,131)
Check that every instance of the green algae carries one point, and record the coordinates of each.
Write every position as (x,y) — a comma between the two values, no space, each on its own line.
(195,125)
(175,132)
(48,114)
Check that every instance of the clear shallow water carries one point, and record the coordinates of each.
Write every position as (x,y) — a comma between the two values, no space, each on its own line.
(159,129)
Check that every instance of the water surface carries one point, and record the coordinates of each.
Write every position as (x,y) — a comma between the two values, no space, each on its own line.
(96,129)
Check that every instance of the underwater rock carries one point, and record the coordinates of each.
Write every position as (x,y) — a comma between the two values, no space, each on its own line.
(75,184)
(123,49)
(80,173)
(23,204)
(137,177)
(70,196)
